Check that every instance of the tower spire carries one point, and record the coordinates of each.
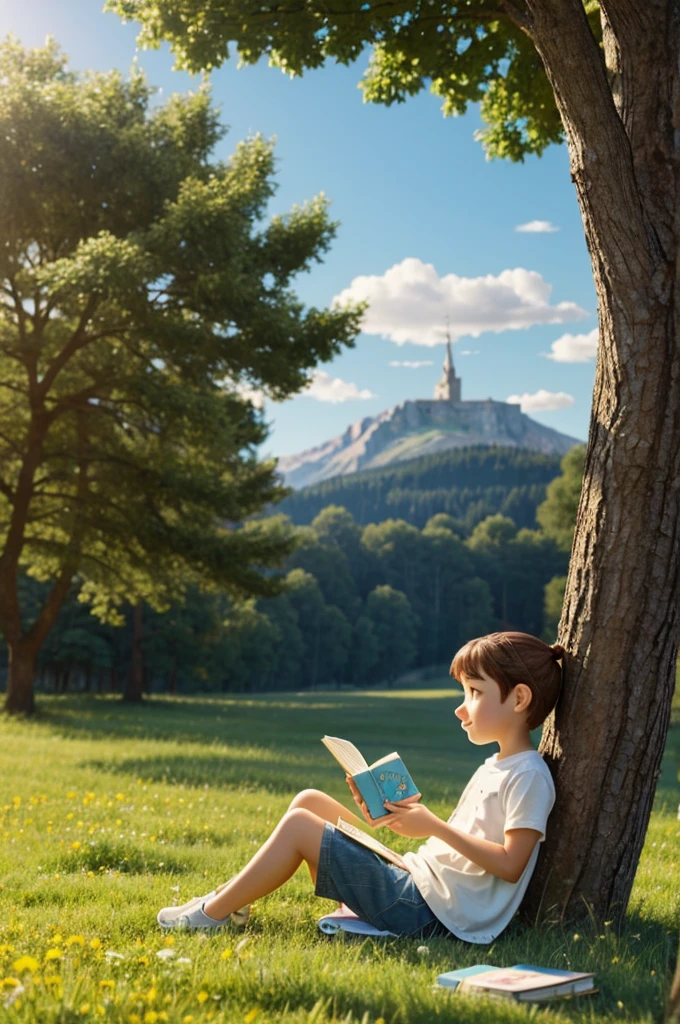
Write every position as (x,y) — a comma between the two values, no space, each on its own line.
(449,387)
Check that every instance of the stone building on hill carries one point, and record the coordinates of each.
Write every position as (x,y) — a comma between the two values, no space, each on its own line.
(423,426)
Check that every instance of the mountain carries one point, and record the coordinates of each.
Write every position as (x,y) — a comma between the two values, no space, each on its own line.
(422,427)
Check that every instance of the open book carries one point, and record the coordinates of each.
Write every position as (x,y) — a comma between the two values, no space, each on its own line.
(386,779)
(371,844)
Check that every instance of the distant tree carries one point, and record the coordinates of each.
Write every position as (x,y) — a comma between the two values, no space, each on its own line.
(450,596)
(329,566)
(325,631)
(396,627)
(443,521)
(250,649)
(557,514)
(605,77)
(397,549)
(553,600)
(140,292)
(363,652)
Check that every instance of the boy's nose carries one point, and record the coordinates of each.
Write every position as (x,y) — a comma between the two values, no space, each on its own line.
(460,712)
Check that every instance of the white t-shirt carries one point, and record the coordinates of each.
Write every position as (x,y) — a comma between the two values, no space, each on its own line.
(515,792)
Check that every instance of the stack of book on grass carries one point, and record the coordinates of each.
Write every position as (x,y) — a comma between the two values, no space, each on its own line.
(523,982)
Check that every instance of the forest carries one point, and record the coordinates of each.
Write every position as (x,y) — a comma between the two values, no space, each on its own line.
(466,483)
(359,604)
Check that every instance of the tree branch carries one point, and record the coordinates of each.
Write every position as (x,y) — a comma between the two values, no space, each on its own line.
(77,341)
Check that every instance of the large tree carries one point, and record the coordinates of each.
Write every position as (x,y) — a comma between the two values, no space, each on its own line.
(141,293)
(605,78)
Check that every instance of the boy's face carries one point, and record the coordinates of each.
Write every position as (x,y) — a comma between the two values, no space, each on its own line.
(485,718)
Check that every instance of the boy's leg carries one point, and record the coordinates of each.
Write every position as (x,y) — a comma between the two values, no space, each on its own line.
(323,806)
(297,837)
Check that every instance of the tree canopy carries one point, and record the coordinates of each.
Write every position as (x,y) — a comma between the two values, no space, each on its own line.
(471,52)
(143,294)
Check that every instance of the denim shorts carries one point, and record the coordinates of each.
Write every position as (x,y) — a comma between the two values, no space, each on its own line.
(379,892)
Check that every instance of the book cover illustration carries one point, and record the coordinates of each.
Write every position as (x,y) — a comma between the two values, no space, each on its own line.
(523,982)
(386,779)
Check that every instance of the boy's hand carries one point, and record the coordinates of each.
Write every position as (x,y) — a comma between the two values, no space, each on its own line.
(412,820)
(358,800)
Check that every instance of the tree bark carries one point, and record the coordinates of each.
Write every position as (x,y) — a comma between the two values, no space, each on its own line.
(673,1010)
(20,697)
(620,620)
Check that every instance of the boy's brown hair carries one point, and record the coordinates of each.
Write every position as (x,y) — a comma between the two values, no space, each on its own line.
(512,658)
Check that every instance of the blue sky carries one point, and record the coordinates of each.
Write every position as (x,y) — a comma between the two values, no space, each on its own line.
(427,228)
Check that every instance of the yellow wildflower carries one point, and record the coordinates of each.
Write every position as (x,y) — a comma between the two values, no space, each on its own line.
(107,983)
(95,943)
(150,1017)
(75,940)
(251,1015)
(25,963)
(54,954)
(76,845)
(134,1018)
(84,1008)
(226,954)
(9,982)
(202,996)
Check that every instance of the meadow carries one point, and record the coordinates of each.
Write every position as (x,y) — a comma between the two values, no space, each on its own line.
(110,812)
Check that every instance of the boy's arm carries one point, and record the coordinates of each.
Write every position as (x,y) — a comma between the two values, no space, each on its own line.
(506,861)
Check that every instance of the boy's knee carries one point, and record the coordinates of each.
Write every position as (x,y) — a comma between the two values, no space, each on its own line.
(306,799)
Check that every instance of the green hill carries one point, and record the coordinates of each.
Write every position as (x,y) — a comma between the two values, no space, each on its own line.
(467,483)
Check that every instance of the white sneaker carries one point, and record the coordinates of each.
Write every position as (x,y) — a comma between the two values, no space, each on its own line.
(194,917)
(167,915)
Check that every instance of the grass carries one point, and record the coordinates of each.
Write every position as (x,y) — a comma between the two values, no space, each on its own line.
(111,812)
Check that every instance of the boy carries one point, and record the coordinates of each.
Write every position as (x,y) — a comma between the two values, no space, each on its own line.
(469,878)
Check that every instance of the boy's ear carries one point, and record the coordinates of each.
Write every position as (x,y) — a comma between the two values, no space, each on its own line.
(522,697)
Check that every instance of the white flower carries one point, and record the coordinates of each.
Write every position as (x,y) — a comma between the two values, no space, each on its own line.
(165,954)
(17,991)
(110,954)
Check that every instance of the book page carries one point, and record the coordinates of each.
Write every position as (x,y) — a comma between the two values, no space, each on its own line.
(346,753)
(385,759)
(370,843)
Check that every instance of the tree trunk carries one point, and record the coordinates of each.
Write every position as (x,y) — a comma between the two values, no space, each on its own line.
(620,620)
(134,687)
(673,1011)
(21,671)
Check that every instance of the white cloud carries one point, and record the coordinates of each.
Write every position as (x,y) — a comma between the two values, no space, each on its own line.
(537,227)
(469,352)
(251,394)
(413,364)
(574,348)
(542,401)
(410,302)
(332,389)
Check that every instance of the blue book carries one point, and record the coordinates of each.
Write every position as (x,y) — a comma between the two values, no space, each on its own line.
(386,779)
(452,979)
